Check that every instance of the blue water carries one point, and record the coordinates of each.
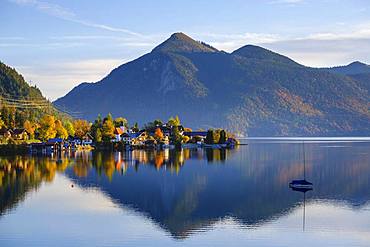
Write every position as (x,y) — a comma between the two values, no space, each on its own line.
(198,197)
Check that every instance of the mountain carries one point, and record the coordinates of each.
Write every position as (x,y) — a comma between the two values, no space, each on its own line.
(251,91)
(27,101)
(351,69)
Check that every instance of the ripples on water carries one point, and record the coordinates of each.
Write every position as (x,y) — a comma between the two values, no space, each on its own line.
(191,197)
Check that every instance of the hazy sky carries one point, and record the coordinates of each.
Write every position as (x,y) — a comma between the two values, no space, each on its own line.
(58,44)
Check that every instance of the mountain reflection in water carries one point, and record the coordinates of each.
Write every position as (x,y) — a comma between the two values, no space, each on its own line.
(184,191)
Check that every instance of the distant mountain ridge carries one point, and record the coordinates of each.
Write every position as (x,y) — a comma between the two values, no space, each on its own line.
(351,69)
(251,91)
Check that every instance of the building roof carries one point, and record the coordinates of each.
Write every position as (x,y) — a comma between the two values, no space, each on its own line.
(195,133)
(132,135)
(4,131)
(118,131)
(55,140)
(19,131)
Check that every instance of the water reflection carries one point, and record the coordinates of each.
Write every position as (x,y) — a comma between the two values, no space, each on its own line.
(185,191)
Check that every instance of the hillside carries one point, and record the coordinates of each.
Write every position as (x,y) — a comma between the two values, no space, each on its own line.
(26,101)
(251,91)
(351,69)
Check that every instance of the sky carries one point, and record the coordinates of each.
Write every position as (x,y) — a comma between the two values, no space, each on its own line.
(56,45)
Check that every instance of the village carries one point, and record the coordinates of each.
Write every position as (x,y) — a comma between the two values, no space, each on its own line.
(154,135)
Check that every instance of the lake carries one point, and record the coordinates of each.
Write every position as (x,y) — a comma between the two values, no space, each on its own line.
(197,197)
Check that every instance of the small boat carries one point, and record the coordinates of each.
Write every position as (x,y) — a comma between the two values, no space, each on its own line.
(301,184)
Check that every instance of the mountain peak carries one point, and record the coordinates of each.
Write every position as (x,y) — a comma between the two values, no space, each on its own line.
(358,63)
(180,42)
(353,68)
(260,53)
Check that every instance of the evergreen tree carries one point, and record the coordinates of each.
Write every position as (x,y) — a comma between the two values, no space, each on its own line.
(136,127)
(209,137)
(222,139)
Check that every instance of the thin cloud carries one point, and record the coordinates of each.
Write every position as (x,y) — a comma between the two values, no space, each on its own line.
(68,15)
(289,2)
(56,79)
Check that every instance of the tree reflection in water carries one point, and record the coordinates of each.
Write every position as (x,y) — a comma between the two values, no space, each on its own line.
(190,189)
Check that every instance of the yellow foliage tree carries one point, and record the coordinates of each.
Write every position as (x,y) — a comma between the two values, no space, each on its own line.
(81,128)
(61,131)
(30,128)
(47,127)
(158,134)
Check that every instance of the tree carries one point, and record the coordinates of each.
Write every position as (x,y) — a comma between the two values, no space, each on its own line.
(135,128)
(47,127)
(222,139)
(120,121)
(61,131)
(176,137)
(81,127)
(8,116)
(2,124)
(185,139)
(30,128)
(95,127)
(151,126)
(174,121)
(108,129)
(69,127)
(158,134)
(98,135)
(209,138)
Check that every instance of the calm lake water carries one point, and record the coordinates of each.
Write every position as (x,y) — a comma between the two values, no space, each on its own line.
(199,197)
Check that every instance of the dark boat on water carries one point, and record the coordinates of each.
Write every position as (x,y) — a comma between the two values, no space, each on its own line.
(301,184)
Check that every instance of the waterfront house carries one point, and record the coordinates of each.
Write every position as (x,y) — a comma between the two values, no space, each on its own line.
(118,131)
(5,133)
(137,138)
(20,134)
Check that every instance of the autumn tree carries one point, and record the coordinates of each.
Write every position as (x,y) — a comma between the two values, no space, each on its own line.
(174,121)
(47,127)
(158,134)
(69,127)
(120,121)
(108,128)
(81,127)
(96,129)
(2,124)
(61,132)
(30,128)
(185,139)
(98,135)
